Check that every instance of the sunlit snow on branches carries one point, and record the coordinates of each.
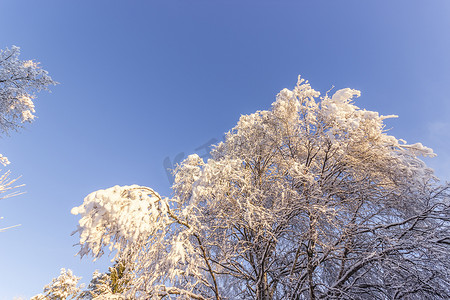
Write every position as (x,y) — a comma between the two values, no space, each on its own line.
(19,81)
(312,199)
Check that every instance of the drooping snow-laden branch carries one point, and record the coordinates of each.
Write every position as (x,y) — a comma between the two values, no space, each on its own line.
(311,199)
(136,222)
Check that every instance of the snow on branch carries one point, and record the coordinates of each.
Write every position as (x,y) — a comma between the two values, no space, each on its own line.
(310,199)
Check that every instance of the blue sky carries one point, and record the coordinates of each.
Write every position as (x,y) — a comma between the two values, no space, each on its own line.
(145,80)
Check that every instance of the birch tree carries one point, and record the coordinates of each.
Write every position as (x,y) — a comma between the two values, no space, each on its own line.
(312,199)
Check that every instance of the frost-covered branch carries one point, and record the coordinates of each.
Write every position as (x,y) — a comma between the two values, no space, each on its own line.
(65,286)
(19,81)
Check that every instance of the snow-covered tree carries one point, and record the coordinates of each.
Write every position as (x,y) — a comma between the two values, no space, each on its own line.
(19,82)
(312,199)
(65,286)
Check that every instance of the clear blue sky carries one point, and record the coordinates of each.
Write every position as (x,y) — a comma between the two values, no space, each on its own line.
(146,80)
